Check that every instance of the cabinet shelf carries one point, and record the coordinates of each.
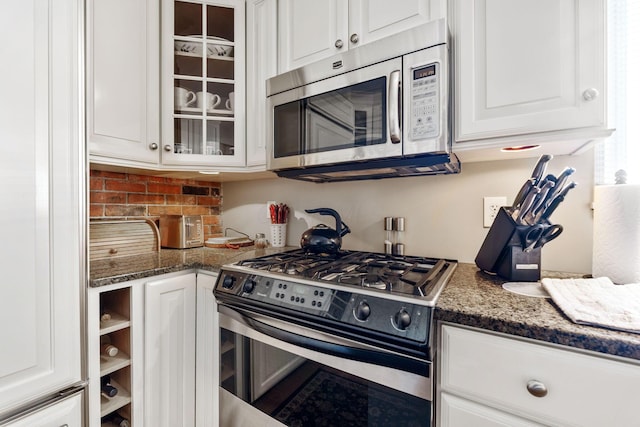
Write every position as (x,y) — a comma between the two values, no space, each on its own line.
(208,118)
(116,402)
(207,79)
(112,364)
(197,55)
(198,111)
(116,323)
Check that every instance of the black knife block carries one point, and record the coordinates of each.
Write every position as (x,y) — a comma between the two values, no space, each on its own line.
(502,251)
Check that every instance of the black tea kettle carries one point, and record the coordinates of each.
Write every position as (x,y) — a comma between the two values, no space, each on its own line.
(322,238)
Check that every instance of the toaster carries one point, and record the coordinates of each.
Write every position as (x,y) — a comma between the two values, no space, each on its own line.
(181,231)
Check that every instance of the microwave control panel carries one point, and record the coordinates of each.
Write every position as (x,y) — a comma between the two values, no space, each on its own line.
(425,102)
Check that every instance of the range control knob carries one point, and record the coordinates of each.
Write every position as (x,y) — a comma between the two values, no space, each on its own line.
(362,311)
(402,319)
(248,286)
(228,282)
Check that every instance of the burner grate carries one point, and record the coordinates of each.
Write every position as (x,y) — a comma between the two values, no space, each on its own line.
(395,274)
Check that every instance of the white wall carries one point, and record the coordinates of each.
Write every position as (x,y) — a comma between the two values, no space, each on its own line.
(443,213)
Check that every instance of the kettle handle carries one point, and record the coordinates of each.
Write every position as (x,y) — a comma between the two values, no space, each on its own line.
(341,227)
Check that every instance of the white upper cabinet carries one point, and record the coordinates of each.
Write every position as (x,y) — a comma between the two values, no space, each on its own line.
(203,79)
(123,81)
(310,30)
(262,54)
(42,187)
(528,67)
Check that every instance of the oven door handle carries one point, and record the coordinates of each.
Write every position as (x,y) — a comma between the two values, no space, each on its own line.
(328,344)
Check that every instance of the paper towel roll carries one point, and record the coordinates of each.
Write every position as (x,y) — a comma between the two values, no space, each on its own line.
(616,233)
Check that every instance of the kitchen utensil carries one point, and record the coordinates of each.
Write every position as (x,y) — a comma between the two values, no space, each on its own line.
(540,168)
(502,250)
(560,185)
(228,242)
(278,213)
(527,204)
(563,177)
(522,194)
(322,238)
(546,213)
(538,235)
(539,202)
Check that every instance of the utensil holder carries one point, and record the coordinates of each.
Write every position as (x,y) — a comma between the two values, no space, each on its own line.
(502,251)
(278,235)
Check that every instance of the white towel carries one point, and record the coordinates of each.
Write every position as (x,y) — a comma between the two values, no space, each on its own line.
(597,302)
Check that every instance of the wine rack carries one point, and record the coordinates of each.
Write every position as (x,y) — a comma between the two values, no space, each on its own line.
(115,350)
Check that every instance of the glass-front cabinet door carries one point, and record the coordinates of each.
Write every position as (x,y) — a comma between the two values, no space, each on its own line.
(203,83)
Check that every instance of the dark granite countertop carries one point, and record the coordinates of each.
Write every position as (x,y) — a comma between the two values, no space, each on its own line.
(471,298)
(475,298)
(118,270)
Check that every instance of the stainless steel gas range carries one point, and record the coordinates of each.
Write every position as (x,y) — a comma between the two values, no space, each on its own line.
(313,338)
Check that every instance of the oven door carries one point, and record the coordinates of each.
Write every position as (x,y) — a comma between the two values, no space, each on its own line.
(278,373)
(353,116)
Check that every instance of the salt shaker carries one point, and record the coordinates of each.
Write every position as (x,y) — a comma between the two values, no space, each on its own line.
(261,241)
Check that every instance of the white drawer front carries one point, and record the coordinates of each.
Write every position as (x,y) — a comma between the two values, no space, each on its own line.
(582,390)
(458,412)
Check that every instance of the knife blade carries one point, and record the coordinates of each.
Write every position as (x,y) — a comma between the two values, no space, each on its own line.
(559,198)
(540,168)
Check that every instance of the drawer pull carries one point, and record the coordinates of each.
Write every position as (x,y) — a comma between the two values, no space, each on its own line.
(536,388)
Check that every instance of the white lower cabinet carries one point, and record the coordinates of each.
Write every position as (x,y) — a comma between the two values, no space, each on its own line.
(68,412)
(169,351)
(489,379)
(459,412)
(207,349)
(166,331)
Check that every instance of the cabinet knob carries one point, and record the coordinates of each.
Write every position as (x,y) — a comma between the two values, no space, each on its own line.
(536,388)
(113,251)
(338,44)
(590,94)
(153,146)
(354,38)
(167,148)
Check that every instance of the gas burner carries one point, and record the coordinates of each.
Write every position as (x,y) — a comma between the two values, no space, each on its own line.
(392,274)
(365,280)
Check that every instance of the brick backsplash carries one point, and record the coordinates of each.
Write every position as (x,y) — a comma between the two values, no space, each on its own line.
(125,195)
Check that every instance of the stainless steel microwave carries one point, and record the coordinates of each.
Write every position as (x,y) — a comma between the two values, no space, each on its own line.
(380,110)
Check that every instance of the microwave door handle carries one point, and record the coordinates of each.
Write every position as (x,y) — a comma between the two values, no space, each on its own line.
(394,107)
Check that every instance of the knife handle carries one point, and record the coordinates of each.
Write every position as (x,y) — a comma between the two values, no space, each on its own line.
(527,204)
(541,166)
(522,194)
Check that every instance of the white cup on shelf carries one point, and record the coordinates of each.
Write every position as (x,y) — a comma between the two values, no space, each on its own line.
(230,101)
(183,97)
(207,100)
